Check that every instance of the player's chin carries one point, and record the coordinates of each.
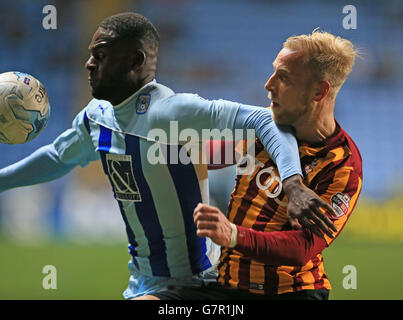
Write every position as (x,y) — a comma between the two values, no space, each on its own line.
(277,117)
(99,93)
(282,120)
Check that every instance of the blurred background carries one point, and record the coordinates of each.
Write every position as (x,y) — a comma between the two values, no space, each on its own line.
(218,49)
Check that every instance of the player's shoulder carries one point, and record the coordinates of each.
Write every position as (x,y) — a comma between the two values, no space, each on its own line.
(185,97)
(184,101)
(97,110)
(158,90)
(336,156)
(98,106)
(354,159)
(94,107)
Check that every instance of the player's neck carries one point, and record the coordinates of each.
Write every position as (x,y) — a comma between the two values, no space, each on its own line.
(132,90)
(316,126)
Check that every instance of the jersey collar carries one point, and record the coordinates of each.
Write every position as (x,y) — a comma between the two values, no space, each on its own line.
(130,98)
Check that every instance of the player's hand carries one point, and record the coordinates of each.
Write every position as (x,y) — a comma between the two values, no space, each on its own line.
(212,223)
(304,208)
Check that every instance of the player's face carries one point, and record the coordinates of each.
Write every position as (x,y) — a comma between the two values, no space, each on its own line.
(109,67)
(289,88)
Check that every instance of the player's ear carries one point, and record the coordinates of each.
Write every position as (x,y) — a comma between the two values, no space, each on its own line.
(321,91)
(138,60)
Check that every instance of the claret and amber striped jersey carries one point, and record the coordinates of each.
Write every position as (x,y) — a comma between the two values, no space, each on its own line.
(258,206)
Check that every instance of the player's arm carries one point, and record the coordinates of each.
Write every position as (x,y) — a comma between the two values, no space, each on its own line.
(191,111)
(73,147)
(293,247)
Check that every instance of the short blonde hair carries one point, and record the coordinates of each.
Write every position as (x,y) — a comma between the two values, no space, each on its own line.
(330,57)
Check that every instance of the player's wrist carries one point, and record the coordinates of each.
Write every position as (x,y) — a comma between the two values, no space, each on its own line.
(292,183)
(234,236)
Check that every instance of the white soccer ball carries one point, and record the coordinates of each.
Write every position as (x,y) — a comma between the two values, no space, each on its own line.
(24,107)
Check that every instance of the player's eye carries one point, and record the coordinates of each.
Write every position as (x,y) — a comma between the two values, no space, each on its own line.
(282,77)
(98,56)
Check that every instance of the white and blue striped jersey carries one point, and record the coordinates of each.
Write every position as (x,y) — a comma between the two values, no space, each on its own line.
(156,200)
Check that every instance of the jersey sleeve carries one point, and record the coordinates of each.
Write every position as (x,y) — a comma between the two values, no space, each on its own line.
(52,161)
(74,146)
(190,111)
(201,119)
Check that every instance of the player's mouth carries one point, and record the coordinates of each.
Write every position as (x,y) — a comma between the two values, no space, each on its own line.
(274,103)
(91,81)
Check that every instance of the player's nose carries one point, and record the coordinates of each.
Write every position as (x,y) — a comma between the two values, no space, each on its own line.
(269,84)
(90,64)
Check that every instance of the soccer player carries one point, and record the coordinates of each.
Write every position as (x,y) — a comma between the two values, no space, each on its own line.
(264,254)
(156,200)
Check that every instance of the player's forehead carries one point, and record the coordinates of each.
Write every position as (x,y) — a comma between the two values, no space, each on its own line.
(288,60)
(293,63)
(102,38)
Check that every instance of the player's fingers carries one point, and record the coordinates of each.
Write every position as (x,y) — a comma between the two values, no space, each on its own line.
(294,223)
(305,223)
(326,220)
(329,209)
(205,216)
(323,216)
(201,207)
(208,208)
(203,233)
(320,224)
(204,225)
(315,229)
(197,209)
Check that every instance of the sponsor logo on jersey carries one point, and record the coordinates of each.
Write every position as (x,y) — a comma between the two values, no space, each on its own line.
(309,167)
(102,109)
(142,103)
(120,171)
(340,203)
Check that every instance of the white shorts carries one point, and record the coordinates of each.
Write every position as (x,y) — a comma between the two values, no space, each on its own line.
(141,284)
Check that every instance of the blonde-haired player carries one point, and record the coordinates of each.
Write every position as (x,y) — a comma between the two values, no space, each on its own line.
(264,254)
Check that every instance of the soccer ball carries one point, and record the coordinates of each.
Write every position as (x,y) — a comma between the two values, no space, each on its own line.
(24,107)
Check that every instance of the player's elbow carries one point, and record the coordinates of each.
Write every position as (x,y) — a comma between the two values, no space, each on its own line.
(301,256)
(301,259)
(293,259)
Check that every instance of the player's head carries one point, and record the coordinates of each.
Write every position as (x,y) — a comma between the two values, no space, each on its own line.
(308,72)
(123,56)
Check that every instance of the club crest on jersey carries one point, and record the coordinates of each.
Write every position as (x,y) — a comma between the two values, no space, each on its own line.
(340,203)
(142,103)
(120,171)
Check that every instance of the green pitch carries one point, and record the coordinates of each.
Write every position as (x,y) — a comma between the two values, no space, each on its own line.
(100,272)
(83,272)
(378,268)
